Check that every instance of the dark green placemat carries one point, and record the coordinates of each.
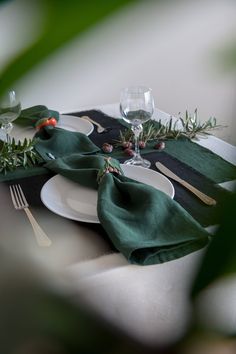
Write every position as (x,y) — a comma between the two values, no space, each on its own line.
(192,154)
(202,160)
(204,214)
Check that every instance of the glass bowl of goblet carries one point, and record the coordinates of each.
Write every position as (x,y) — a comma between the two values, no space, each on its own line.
(10,109)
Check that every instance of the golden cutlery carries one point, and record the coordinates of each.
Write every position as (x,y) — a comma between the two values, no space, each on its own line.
(20,202)
(204,198)
(100,128)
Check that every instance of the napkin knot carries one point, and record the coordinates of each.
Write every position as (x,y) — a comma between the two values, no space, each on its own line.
(110,166)
(38,115)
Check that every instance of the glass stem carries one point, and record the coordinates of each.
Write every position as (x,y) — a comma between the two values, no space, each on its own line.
(137,129)
(7,127)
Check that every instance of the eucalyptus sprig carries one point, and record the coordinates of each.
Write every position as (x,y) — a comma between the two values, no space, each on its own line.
(17,154)
(188,126)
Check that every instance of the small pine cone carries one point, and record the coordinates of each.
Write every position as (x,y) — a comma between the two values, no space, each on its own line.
(129,152)
(127,145)
(160,145)
(142,144)
(107,148)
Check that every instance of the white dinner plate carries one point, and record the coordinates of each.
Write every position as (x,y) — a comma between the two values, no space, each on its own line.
(75,124)
(73,201)
(66,122)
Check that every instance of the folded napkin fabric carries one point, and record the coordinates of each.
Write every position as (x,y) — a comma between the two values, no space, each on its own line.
(143,223)
(59,142)
(30,116)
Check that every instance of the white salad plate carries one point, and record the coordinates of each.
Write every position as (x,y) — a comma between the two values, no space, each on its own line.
(77,124)
(74,201)
(66,122)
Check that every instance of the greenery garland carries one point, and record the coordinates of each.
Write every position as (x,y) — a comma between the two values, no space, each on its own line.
(188,127)
(20,154)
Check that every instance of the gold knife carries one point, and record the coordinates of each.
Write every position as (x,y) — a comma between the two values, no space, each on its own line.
(204,198)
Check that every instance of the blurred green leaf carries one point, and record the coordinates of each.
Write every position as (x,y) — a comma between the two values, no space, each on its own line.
(63,21)
(228,57)
(219,260)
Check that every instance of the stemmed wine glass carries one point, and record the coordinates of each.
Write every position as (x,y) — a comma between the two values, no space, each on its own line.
(10,109)
(136,108)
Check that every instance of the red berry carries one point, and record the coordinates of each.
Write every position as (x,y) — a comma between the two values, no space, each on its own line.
(160,145)
(142,144)
(129,152)
(127,145)
(44,122)
(107,148)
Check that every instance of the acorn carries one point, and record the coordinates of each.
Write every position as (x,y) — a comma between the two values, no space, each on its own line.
(127,145)
(107,148)
(129,152)
(142,144)
(160,145)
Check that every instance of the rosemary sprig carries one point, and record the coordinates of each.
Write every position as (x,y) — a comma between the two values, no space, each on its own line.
(192,126)
(17,154)
(188,127)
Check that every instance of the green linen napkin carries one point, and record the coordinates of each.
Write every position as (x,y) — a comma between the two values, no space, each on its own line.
(144,224)
(52,143)
(60,142)
(30,116)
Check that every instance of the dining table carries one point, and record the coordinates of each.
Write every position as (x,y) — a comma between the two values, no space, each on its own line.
(150,303)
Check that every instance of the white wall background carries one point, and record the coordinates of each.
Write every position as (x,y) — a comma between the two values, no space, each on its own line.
(173,47)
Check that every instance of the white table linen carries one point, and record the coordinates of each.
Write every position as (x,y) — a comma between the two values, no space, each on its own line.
(150,303)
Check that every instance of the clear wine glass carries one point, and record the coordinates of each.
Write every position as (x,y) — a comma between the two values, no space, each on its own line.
(10,109)
(136,108)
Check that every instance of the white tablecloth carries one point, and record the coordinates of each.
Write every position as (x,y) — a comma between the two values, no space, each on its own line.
(150,303)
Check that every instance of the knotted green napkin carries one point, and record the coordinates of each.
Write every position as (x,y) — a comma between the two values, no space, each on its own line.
(143,223)
(57,142)
(30,116)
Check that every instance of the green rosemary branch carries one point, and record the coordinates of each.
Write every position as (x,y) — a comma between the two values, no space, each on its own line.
(13,155)
(188,127)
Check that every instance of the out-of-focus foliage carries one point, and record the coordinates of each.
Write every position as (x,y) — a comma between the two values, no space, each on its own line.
(63,21)
(228,57)
(37,319)
(220,259)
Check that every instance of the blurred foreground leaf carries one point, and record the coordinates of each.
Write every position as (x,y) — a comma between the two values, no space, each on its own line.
(219,260)
(39,316)
(63,21)
(228,58)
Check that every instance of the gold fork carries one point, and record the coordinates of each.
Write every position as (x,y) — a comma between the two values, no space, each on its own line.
(19,201)
(100,128)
